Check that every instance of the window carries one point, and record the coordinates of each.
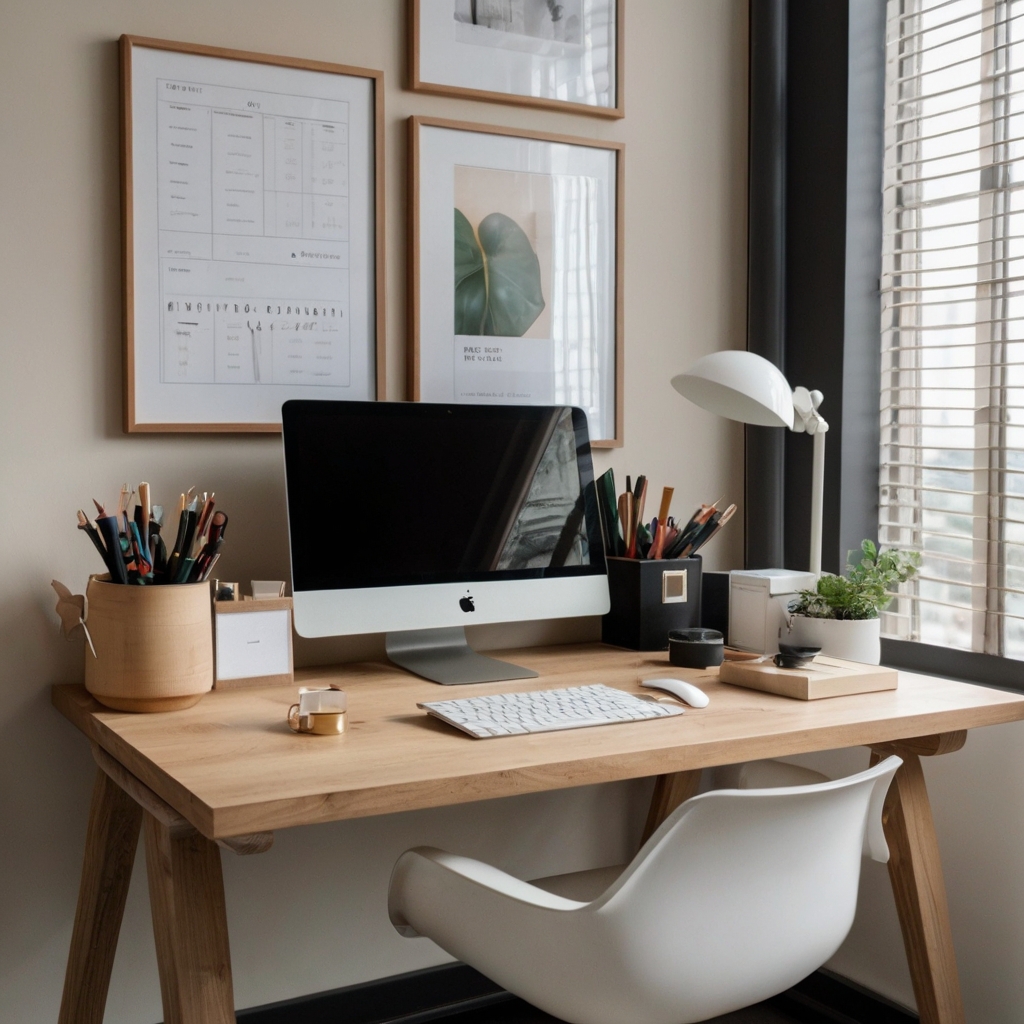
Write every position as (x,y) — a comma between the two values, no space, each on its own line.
(952,397)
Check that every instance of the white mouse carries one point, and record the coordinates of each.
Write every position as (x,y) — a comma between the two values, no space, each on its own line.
(686,692)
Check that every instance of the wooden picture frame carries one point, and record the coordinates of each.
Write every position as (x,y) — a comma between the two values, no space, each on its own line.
(617,66)
(144,404)
(612,406)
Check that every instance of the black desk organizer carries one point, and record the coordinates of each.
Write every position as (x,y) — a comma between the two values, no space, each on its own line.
(647,603)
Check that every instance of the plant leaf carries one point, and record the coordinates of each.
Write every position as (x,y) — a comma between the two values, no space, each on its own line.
(497,278)
(866,591)
(470,279)
(514,298)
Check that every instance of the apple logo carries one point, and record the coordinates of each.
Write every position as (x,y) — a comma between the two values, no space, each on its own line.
(466,603)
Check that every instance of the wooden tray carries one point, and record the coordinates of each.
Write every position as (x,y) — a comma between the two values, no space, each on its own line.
(824,677)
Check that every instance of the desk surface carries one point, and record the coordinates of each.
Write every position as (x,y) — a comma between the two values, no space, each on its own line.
(231,765)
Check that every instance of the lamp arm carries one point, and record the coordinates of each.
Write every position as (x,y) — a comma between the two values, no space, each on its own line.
(817,499)
(808,419)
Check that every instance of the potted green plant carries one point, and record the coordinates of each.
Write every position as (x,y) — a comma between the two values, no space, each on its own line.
(840,615)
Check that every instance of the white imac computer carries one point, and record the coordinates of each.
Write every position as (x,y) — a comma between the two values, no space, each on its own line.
(415,520)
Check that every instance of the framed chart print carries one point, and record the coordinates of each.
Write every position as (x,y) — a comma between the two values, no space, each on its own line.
(559,54)
(516,280)
(252,221)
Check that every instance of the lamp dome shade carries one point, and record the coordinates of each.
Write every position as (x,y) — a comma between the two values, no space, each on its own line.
(739,385)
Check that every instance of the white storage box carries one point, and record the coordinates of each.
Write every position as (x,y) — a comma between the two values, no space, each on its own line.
(759,601)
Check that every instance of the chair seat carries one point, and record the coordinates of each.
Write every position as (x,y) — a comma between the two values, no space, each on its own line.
(738,895)
(582,886)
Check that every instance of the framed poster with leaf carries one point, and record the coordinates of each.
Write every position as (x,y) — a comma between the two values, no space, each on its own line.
(555,54)
(516,282)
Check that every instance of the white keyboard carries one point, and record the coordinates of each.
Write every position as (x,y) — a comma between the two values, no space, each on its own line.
(513,714)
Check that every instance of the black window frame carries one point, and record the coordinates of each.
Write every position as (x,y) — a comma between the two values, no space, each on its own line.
(817,88)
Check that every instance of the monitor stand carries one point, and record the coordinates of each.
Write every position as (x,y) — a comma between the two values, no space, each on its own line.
(444,656)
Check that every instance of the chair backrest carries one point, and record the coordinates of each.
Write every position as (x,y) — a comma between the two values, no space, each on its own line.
(741,887)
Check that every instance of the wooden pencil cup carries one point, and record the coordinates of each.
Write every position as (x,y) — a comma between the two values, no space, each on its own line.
(154,645)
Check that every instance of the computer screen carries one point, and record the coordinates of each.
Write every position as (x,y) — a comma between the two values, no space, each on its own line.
(388,498)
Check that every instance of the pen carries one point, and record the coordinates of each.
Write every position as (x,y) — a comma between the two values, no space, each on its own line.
(624,522)
(726,516)
(659,537)
(700,536)
(206,575)
(184,573)
(631,525)
(666,502)
(108,528)
(690,531)
(87,527)
(707,530)
(190,531)
(610,517)
(147,513)
(204,561)
(640,496)
(157,547)
(178,551)
(124,500)
(204,519)
(209,554)
(644,541)
(142,564)
(218,524)
(138,526)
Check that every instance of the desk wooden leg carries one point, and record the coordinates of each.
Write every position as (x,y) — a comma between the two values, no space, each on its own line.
(110,845)
(916,875)
(186,890)
(669,792)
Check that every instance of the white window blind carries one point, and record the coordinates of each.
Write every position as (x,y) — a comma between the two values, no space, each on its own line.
(952,402)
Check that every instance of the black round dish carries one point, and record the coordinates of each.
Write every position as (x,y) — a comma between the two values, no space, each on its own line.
(791,656)
(696,648)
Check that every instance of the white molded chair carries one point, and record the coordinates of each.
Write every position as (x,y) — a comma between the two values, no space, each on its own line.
(738,895)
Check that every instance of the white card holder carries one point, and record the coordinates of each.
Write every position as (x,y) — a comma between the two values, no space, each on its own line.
(253,643)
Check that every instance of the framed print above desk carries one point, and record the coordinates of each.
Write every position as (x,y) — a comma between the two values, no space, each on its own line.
(516,281)
(252,223)
(564,55)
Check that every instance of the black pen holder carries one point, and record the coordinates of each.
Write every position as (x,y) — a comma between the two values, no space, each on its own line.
(650,597)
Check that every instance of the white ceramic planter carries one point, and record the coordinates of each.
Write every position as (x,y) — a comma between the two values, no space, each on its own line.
(849,639)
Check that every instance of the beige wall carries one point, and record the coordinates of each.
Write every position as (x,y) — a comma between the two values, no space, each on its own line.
(61,444)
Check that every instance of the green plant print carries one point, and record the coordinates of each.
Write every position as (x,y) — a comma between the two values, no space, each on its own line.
(497,278)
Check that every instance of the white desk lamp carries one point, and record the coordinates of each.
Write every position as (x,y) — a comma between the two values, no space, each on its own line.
(743,386)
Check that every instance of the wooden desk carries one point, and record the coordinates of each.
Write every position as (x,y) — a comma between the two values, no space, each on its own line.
(230,771)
